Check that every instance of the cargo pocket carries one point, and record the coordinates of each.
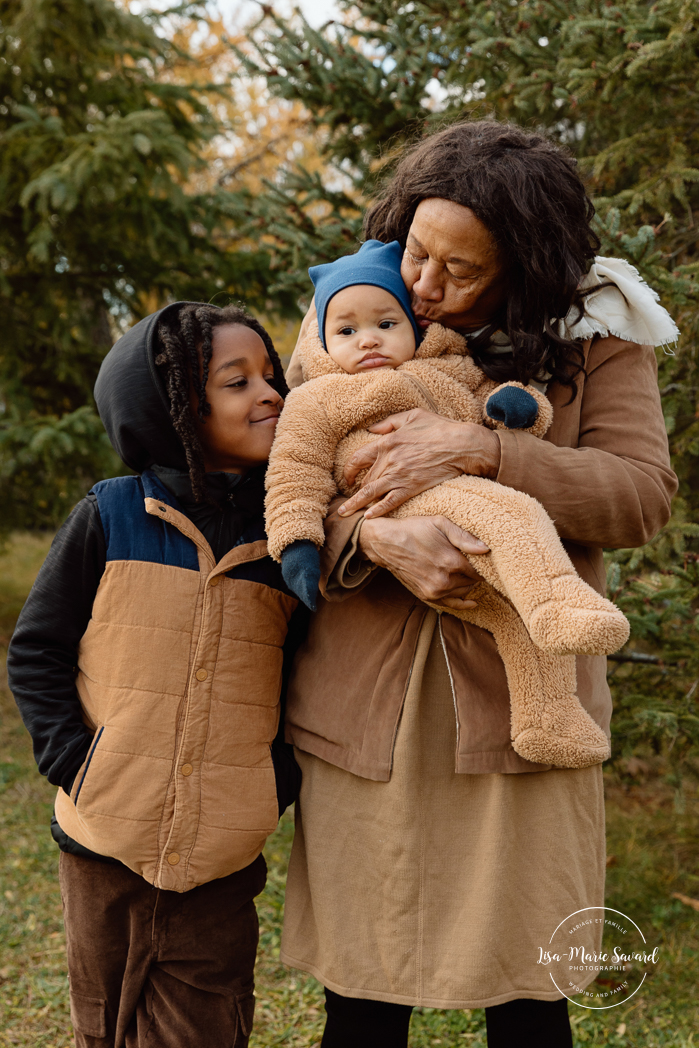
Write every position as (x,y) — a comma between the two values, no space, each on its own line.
(245,1006)
(88,1015)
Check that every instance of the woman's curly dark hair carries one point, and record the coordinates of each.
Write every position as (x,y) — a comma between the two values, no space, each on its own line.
(182,334)
(529,195)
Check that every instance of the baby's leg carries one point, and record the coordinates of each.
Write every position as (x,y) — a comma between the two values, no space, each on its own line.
(527,564)
(548,724)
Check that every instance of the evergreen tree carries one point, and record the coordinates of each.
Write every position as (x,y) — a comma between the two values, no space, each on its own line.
(618,84)
(104,125)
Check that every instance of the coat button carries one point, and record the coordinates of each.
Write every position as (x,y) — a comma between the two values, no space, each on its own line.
(215,581)
(186,769)
(201,675)
(173,858)
(163,509)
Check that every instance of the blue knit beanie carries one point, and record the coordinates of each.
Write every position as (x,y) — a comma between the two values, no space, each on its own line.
(376,264)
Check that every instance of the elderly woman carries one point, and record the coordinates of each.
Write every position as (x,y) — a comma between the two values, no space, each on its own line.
(431,861)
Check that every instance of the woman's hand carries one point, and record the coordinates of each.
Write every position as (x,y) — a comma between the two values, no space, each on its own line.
(420,450)
(426,554)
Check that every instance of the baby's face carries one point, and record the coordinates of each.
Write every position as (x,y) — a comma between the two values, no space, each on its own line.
(366,328)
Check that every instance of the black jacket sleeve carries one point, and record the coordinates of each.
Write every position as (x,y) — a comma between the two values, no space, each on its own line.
(286,770)
(43,653)
(298,631)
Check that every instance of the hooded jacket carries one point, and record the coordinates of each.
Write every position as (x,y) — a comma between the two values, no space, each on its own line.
(148,660)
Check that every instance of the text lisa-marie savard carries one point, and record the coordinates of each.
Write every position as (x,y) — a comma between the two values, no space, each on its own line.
(583,956)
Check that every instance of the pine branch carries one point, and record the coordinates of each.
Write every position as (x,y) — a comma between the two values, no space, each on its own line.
(639,657)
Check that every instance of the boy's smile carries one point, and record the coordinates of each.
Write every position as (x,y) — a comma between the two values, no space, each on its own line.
(366,328)
(245,406)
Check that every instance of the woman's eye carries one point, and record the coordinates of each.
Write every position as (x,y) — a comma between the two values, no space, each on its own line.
(415,260)
(238,384)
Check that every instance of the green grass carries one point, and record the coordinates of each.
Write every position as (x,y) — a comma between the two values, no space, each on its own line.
(653,844)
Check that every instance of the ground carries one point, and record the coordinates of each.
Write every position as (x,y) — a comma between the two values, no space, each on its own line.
(653,847)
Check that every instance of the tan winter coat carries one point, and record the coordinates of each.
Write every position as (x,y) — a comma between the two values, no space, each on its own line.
(547,610)
(603,474)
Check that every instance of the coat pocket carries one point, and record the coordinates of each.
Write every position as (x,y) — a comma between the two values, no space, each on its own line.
(81,778)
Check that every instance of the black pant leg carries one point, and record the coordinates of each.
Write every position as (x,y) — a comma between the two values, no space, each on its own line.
(357,1023)
(525,1023)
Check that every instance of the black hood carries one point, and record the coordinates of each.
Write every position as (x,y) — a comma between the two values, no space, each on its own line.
(132,401)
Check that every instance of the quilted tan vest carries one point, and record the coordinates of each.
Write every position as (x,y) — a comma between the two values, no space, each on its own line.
(179,675)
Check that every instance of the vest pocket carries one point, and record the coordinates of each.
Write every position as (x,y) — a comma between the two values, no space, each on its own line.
(90,755)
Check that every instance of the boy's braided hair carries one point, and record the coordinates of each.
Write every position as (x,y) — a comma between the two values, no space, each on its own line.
(182,334)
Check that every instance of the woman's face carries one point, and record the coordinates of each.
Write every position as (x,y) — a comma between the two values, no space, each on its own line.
(452,267)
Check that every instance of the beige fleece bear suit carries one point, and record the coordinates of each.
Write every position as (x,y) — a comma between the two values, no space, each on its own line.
(532,601)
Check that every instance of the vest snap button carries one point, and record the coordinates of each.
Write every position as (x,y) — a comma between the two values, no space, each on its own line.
(173,858)
(215,581)
(201,674)
(187,769)
(163,509)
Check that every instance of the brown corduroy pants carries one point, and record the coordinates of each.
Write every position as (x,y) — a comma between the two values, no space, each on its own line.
(159,969)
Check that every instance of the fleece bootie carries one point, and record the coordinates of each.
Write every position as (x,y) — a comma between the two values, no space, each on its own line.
(547,723)
(528,565)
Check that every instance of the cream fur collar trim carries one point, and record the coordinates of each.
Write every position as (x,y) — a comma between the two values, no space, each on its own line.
(630,310)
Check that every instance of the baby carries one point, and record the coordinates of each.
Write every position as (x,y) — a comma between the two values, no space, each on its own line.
(367,362)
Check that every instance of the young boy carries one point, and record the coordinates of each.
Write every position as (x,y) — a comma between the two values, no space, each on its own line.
(147,665)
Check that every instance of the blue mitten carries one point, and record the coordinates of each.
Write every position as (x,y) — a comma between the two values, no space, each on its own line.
(513,406)
(301,571)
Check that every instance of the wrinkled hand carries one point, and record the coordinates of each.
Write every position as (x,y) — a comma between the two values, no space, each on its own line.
(420,450)
(426,554)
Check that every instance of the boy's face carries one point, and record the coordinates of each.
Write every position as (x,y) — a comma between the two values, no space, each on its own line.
(366,328)
(245,408)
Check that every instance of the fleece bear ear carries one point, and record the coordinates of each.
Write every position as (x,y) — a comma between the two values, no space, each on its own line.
(514,406)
